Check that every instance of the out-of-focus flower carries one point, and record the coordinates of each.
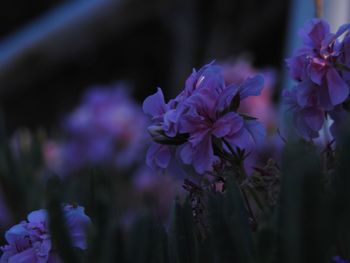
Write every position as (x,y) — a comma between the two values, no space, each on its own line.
(157,190)
(53,156)
(338,259)
(30,241)
(321,68)
(261,106)
(205,110)
(108,127)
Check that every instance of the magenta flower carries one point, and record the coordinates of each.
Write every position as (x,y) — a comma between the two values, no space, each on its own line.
(30,241)
(204,110)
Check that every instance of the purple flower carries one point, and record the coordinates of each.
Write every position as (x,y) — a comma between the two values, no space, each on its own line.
(204,121)
(317,61)
(30,241)
(318,67)
(262,106)
(206,109)
(158,156)
(338,259)
(308,115)
(108,127)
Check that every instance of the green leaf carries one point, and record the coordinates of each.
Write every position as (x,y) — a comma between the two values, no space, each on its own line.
(57,225)
(148,242)
(230,226)
(304,208)
(183,235)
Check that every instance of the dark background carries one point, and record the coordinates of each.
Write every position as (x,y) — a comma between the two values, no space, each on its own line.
(148,43)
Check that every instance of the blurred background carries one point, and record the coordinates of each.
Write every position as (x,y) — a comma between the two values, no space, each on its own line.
(51,51)
(75,73)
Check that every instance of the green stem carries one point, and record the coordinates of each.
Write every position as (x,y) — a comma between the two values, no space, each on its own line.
(250,210)
(256,198)
(233,153)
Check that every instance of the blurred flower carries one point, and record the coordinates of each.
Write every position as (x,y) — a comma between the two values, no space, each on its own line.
(30,241)
(52,154)
(321,68)
(157,190)
(205,109)
(338,259)
(108,127)
(308,120)
(262,106)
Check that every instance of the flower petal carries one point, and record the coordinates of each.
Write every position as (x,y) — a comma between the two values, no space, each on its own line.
(230,123)
(337,88)
(226,97)
(26,256)
(241,139)
(158,156)
(38,216)
(256,130)
(154,105)
(317,69)
(77,223)
(251,86)
(314,118)
(314,32)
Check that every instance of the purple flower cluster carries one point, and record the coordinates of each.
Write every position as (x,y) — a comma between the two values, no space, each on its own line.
(30,241)
(107,128)
(204,114)
(322,69)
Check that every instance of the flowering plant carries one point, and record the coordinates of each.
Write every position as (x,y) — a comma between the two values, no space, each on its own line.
(107,128)
(322,69)
(293,209)
(203,121)
(30,241)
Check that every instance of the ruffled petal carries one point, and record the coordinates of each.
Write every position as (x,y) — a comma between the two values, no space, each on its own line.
(38,216)
(314,32)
